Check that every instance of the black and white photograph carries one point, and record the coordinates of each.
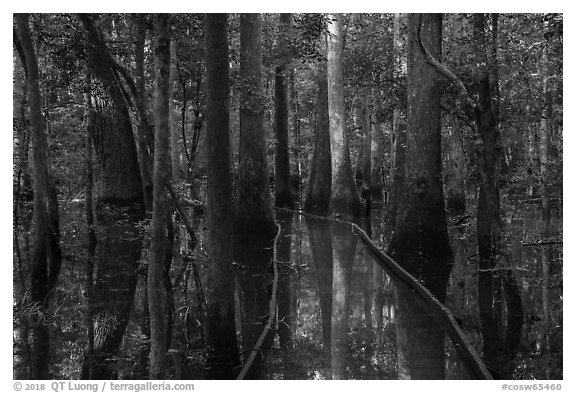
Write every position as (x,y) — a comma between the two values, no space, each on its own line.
(286,196)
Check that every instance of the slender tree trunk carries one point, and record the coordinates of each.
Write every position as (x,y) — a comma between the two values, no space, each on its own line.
(546,119)
(366,151)
(174,130)
(161,175)
(254,215)
(282,183)
(39,256)
(89,209)
(145,135)
(377,151)
(222,340)
(297,144)
(420,242)
(399,136)
(320,181)
(20,157)
(344,199)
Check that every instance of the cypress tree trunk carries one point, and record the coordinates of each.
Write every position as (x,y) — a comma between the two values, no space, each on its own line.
(161,176)
(344,199)
(222,342)
(254,216)
(119,210)
(320,181)
(282,184)
(39,255)
(420,242)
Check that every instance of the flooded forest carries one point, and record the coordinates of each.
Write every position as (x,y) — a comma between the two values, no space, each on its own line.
(287,196)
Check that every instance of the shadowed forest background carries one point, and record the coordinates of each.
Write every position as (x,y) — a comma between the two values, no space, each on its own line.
(209,196)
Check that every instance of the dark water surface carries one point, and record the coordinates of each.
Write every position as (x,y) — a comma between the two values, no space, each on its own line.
(341,316)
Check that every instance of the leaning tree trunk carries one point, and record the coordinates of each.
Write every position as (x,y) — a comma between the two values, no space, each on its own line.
(39,255)
(223,354)
(119,211)
(161,176)
(420,242)
(282,184)
(344,199)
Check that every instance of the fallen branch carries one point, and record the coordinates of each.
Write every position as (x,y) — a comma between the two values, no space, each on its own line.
(542,243)
(260,350)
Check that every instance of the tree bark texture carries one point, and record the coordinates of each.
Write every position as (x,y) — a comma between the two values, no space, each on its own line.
(499,347)
(282,184)
(145,134)
(161,175)
(377,151)
(420,243)
(39,255)
(399,135)
(421,239)
(344,199)
(221,329)
(366,151)
(89,211)
(254,215)
(320,181)
(174,115)
(119,210)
